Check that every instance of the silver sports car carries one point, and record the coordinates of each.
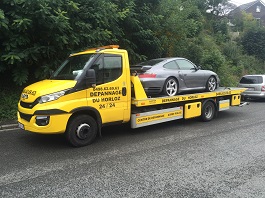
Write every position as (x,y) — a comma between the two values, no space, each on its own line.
(170,76)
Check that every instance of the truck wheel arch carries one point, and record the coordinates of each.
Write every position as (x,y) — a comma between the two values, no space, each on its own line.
(88,111)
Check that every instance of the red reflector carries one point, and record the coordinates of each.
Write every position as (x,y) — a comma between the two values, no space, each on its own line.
(263,88)
(147,75)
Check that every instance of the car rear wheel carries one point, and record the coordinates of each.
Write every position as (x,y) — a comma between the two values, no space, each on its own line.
(211,84)
(170,87)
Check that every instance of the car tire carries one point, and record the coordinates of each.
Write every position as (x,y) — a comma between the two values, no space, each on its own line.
(81,130)
(211,84)
(170,87)
(208,111)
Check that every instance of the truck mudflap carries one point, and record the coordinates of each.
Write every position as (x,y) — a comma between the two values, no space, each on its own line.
(156,117)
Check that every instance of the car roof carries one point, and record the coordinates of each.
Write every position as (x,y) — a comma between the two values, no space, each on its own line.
(160,60)
(168,58)
(254,75)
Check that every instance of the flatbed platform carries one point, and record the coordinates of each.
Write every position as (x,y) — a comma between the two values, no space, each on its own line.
(221,91)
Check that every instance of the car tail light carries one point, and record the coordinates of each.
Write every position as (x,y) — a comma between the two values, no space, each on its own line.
(147,75)
(262,88)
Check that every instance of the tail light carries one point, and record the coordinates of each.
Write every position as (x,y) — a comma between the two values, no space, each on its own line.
(263,88)
(147,75)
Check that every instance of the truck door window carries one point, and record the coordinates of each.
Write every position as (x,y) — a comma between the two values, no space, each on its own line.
(107,68)
(112,68)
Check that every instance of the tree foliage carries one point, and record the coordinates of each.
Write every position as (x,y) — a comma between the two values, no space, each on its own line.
(36,35)
(253,42)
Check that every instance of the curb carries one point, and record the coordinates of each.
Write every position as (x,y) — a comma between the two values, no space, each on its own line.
(8,127)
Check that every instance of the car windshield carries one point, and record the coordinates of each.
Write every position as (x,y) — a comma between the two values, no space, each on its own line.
(72,68)
(151,62)
(251,80)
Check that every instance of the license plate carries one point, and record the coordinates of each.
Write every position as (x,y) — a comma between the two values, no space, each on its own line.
(251,89)
(21,125)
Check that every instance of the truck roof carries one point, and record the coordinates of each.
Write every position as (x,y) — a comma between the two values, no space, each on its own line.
(97,49)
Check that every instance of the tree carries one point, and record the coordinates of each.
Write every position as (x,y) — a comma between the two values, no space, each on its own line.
(139,29)
(36,35)
(253,42)
(181,22)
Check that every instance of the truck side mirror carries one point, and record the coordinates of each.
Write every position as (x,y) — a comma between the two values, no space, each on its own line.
(91,78)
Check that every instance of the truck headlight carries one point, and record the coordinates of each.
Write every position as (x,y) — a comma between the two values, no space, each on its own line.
(51,97)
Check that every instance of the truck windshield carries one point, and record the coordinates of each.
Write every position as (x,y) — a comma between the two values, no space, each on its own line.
(73,67)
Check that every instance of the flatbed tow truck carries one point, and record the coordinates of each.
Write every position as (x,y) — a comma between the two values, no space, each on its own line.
(96,87)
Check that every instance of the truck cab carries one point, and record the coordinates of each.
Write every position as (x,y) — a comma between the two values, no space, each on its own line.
(90,89)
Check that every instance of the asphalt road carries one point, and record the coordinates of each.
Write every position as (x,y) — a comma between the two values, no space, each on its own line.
(187,158)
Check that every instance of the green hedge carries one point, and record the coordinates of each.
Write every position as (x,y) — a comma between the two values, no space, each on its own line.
(8,104)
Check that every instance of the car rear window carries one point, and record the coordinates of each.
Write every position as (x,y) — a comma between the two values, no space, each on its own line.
(251,80)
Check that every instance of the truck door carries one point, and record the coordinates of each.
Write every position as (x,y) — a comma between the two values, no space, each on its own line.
(110,95)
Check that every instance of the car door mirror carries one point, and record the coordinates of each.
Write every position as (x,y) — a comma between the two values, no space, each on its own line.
(91,78)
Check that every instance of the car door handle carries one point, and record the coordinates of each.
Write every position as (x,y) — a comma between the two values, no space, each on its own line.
(124,91)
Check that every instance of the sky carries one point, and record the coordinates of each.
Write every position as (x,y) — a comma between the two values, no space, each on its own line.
(240,2)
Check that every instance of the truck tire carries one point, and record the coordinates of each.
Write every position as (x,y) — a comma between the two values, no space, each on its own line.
(208,111)
(211,84)
(170,87)
(81,130)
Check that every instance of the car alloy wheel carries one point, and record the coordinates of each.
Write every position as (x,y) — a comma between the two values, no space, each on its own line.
(171,87)
(211,84)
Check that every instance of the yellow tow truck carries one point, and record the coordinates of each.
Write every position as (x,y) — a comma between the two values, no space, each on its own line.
(96,87)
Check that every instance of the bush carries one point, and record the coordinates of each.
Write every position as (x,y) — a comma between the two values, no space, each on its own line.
(8,107)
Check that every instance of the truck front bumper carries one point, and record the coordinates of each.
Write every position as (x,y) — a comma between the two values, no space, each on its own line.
(45,124)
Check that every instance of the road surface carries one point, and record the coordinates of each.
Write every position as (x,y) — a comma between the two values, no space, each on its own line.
(184,158)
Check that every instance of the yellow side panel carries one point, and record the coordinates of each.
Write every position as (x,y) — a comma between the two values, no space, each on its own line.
(235,100)
(224,105)
(192,110)
(156,117)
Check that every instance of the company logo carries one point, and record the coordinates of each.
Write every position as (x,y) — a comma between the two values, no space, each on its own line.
(29,92)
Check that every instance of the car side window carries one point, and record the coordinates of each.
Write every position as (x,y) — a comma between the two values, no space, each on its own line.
(171,65)
(185,64)
(107,69)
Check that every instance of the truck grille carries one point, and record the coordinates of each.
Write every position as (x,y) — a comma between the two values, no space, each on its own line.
(24,116)
(29,105)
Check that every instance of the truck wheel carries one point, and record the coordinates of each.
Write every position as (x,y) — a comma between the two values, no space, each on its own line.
(208,111)
(211,84)
(81,130)
(170,87)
